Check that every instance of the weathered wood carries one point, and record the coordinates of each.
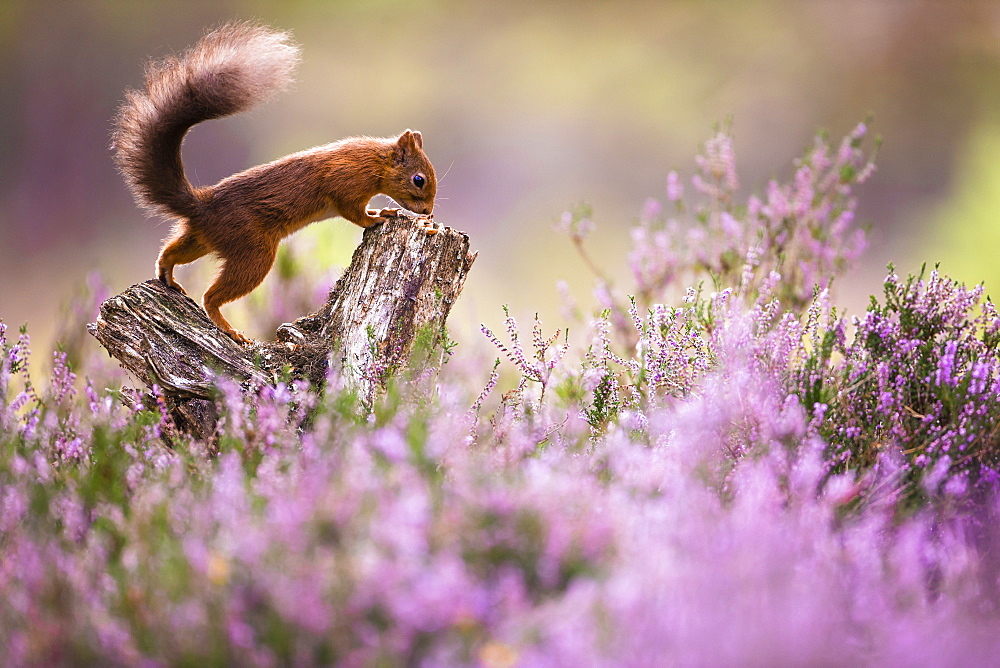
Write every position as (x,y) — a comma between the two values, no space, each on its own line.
(401,281)
(165,338)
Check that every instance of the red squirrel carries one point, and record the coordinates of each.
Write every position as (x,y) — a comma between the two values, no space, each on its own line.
(243,217)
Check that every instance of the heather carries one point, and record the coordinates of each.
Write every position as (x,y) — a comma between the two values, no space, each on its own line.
(716,466)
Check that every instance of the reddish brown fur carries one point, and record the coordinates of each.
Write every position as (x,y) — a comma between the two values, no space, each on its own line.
(243,217)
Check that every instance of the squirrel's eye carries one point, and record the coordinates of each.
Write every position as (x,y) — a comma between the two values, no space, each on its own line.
(418,180)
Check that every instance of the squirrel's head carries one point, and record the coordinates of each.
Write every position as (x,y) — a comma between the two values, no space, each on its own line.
(412,182)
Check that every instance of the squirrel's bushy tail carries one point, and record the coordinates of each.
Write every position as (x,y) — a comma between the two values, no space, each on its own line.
(230,70)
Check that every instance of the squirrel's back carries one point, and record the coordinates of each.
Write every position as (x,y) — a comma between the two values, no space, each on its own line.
(230,70)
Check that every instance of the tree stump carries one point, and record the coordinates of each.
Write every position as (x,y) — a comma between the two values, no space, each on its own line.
(401,282)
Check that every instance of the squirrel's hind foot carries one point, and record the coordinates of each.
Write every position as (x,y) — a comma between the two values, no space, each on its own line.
(238,336)
(171,283)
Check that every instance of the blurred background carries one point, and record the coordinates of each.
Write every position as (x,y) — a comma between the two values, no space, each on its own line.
(527,108)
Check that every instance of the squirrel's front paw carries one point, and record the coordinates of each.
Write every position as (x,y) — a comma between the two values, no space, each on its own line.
(386,212)
(429,225)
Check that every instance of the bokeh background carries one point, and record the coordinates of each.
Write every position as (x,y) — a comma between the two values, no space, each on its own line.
(526,108)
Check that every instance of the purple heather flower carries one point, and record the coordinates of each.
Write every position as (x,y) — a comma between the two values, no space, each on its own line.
(390,443)
(675,189)
(946,364)
(727,456)
(651,209)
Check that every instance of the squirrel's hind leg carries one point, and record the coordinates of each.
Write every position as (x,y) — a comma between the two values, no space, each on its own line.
(239,275)
(181,248)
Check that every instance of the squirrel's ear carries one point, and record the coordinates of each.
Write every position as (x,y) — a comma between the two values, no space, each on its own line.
(404,147)
(410,140)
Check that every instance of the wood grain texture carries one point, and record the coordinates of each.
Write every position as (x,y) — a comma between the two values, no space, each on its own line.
(401,281)
(401,284)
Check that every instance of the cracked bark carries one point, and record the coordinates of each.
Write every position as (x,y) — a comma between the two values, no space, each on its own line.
(401,281)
